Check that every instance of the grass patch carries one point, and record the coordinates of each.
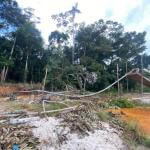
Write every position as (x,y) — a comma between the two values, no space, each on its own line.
(72,103)
(103,115)
(54,106)
(38,107)
(137,133)
(146,141)
(139,136)
(29,107)
(122,103)
(133,134)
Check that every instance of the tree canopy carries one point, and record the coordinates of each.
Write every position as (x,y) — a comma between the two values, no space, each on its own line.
(79,55)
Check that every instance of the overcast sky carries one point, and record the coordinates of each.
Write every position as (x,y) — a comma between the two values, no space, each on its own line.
(133,14)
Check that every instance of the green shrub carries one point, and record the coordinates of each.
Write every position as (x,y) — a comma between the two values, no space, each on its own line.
(146,141)
(122,103)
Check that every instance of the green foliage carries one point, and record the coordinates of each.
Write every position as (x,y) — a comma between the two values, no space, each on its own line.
(122,103)
(12,16)
(65,20)
(146,141)
(37,107)
(103,115)
(29,50)
(138,136)
(97,49)
(5,62)
(106,44)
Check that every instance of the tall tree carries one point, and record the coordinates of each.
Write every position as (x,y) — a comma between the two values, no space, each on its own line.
(67,21)
(30,46)
(11,18)
(107,44)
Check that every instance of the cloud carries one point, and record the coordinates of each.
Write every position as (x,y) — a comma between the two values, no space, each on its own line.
(138,19)
(44,9)
(133,14)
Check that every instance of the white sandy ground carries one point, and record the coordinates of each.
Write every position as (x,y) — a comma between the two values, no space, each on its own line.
(145,100)
(49,131)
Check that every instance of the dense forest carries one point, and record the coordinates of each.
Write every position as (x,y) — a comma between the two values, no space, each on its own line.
(78,55)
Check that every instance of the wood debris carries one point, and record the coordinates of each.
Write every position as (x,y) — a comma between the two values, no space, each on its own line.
(20,135)
(81,119)
(14,131)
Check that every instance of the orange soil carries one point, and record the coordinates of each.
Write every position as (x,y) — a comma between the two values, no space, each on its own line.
(140,115)
(4,90)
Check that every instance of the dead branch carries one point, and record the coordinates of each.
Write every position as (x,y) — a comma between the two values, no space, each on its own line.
(59,110)
(15,112)
(88,95)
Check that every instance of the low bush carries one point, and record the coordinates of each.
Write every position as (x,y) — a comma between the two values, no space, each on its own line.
(122,103)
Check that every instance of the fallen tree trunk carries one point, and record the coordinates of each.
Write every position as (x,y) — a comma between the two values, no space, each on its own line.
(87,95)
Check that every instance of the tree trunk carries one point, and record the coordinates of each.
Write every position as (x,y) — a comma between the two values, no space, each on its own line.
(84,86)
(118,79)
(44,81)
(5,74)
(127,77)
(6,68)
(73,49)
(79,82)
(2,74)
(26,69)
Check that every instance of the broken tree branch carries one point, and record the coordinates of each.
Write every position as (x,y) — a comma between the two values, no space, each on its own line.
(59,110)
(88,95)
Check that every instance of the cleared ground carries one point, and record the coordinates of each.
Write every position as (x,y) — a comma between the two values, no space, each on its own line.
(140,116)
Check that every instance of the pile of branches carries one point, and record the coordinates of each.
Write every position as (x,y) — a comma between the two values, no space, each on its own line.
(21,135)
(82,119)
(14,131)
